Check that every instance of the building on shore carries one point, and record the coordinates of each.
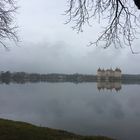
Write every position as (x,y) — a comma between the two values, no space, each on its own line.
(109,74)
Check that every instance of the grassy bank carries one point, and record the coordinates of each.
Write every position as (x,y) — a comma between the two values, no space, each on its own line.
(13,130)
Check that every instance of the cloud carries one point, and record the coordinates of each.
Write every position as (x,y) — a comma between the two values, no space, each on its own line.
(47,45)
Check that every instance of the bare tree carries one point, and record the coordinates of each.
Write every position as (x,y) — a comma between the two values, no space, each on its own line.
(7,27)
(122,18)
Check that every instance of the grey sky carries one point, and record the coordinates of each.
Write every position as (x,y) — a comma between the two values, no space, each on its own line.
(48,45)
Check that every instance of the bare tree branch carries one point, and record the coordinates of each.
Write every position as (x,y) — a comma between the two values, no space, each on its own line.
(122,16)
(7,28)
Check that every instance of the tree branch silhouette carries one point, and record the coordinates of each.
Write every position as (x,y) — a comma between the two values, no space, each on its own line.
(7,28)
(122,19)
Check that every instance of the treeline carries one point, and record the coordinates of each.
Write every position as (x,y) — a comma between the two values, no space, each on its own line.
(22,77)
(131,79)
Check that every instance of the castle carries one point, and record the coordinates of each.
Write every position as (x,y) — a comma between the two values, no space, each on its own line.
(109,74)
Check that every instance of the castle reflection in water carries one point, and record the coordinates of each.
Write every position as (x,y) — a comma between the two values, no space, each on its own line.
(114,85)
(109,79)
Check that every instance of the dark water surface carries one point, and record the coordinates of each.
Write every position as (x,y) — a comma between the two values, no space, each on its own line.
(79,108)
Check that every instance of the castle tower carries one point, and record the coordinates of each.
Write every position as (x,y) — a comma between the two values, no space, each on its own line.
(99,74)
(117,73)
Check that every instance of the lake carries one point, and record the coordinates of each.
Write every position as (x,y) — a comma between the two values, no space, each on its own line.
(79,108)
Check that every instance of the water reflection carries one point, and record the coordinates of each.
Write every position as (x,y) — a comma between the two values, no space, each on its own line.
(109,85)
(77,108)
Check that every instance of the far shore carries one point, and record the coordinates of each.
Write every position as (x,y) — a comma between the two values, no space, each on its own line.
(23,77)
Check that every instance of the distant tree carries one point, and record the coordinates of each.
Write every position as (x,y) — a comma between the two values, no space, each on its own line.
(7,27)
(6,77)
(121,15)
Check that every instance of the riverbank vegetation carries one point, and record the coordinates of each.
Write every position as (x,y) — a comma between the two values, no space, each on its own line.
(13,130)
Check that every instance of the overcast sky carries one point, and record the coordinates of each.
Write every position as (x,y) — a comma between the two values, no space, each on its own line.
(49,46)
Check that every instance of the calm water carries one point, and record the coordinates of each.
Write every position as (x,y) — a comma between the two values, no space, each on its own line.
(79,108)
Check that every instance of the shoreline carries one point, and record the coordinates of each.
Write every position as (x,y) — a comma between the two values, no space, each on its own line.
(16,130)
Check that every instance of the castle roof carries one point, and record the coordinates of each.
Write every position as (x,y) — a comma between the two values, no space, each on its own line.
(117,69)
(103,70)
(99,69)
(110,70)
